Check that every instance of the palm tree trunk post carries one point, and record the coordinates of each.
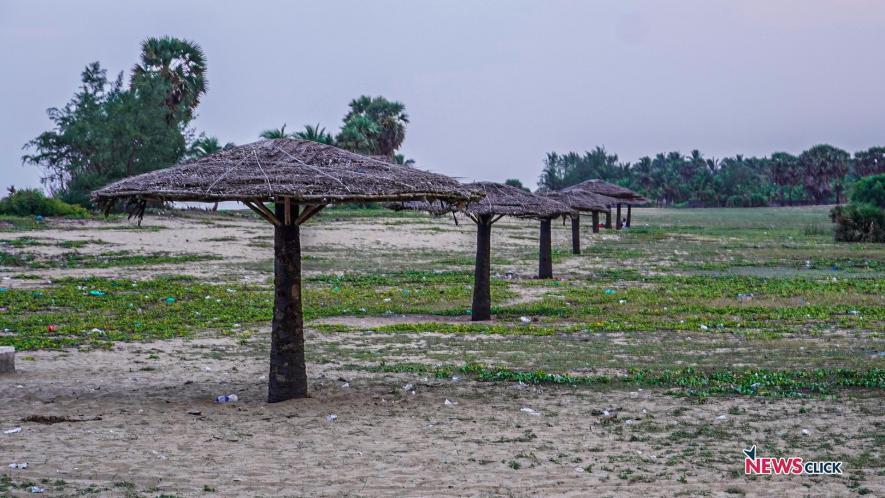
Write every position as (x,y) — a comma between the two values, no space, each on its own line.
(576,234)
(482,295)
(618,223)
(595,216)
(608,219)
(545,260)
(288,373)
(629,215)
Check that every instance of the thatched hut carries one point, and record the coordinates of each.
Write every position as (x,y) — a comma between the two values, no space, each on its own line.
(299,178)
(621,196)
(581,202)
(500,200)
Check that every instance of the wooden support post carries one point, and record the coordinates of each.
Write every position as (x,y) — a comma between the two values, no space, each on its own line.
(608,218)
(482,295)
(576,234)
(629,220)
(288,372)
(618,223)
(595,216)
(545,260)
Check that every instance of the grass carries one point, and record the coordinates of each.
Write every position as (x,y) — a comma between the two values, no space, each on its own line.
(692,300)
(108,259)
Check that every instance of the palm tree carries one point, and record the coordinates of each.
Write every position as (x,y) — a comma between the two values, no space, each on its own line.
(383,136)
(274,133)
(315,134)
(181,65)
(204,146)
(785,173)
(401,159)
(821,165)
(869,162)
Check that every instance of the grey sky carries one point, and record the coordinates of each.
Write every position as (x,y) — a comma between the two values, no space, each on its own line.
(490,86)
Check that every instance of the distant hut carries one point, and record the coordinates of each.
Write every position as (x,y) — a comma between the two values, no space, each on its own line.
(300,178)
(581,202)
(500,200)
(620,195)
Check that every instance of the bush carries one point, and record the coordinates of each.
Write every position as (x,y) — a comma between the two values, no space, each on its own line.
(870,190)
(858,222)
(32,202)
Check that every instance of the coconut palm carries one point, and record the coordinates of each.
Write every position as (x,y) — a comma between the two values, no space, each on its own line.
(374,125)
(822,165)
(315,134)
(275,133)
(181,66)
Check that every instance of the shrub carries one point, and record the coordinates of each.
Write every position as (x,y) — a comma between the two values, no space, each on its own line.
(870,190)
(857,222)
(32,202)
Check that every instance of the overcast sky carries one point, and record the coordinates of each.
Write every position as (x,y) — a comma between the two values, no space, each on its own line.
(490,86)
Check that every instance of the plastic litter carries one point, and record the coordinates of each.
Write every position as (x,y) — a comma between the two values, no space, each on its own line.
(610,291)
(19,466)
(509,274)
(96,293)
(525,319)
(722,417)
(230,398)
(622,301)
(14,430)
(3,289)
(408,387)
(331,417)
(39,217)
(806,432)
(449,403)
(745,297)
(52,327)
(386,299)
(704,327)
(854,312)
(579,470)
(345,385)
(530,412)
(170,299)
(36,489)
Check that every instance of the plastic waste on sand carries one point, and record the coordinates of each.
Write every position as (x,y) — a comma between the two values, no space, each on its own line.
(230,398)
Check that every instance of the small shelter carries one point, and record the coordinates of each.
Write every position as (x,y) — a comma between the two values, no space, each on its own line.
(300,178)
(581,202)
(620,195)
(500,200)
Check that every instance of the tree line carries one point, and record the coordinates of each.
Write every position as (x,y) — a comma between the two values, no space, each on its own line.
(112,129)
(818,175)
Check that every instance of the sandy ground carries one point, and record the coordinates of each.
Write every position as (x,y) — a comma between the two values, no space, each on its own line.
(156,431)
(142,421)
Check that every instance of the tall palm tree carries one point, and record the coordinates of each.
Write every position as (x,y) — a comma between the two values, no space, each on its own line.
(386,132)
(822,165)
(181,65)
(275,133)
(315,134)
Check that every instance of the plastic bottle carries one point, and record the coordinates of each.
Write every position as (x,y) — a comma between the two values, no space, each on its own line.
(230,398)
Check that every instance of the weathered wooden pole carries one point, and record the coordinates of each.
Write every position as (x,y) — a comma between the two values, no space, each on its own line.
(482,294)
(608,218)
(576,234)
(288,373)
(595,216)
(545,260)
(618,223)
(629,220)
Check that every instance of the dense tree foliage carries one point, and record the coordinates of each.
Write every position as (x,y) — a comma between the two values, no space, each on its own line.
(374,126)
(818,175)
(110,130)
(863,220)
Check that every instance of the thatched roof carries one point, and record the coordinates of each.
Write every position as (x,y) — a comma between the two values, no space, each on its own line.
(581,201)
(622,194)
(500,199)
(307,172)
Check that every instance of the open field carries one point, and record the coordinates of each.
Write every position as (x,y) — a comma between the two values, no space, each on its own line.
(646,365)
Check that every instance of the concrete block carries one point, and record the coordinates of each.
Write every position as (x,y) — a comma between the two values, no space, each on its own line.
(7,359)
